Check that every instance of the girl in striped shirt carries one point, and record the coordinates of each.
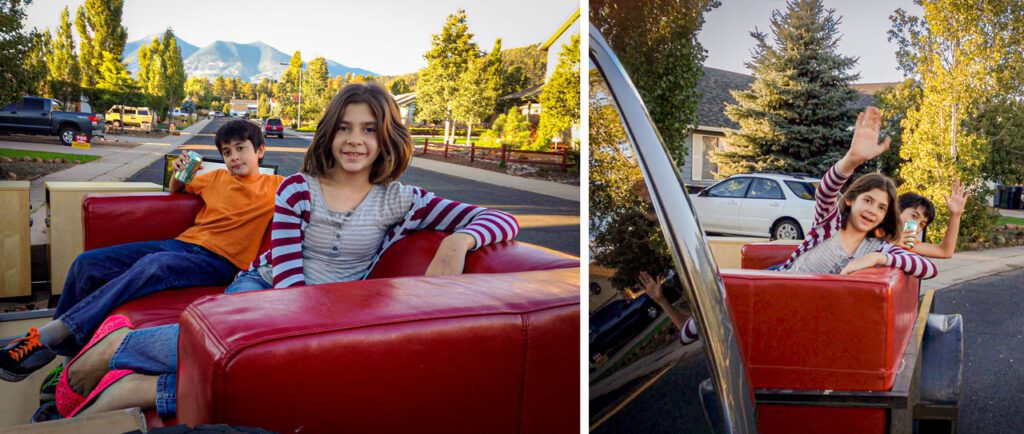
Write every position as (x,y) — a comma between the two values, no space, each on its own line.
(857,232)
(331,223)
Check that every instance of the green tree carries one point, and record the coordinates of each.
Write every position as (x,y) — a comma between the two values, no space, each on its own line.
(113,75)
(894,103)
(64,73)
(199,89)
(15,44)
(560,99)
(967,71)
(450,54)
(797,113)
(399,87)
(478,90)
(315,91)
(36,69)
(99,31)
(662,55)
(263,106)
(288,90)
(174,70)
(530,61)
(226,109)
(220,89)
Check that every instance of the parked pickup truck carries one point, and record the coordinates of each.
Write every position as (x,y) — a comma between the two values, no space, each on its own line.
(42,116)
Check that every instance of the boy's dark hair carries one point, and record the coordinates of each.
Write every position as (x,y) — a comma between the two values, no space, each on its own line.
(393,137)
(914,200)
(889,228)
(240,130)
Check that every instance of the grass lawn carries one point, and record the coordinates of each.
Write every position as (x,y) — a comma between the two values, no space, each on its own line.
(307,129)
(1004,220)
(46,155)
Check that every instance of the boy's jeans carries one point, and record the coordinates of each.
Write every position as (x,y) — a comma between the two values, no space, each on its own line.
(102,279)
(154,350)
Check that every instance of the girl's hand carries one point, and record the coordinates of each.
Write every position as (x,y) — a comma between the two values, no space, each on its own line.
(865,144)
(451,255)
(867,261)
(957,199)
(651,286)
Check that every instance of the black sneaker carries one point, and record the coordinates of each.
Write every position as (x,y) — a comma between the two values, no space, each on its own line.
(46,413)
(23,356)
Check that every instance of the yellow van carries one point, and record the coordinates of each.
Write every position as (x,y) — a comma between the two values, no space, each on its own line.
(119,116)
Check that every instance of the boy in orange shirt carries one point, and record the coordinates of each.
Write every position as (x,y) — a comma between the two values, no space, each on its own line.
(239,204)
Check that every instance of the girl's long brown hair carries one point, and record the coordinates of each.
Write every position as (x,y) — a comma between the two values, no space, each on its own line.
(392,136)
(889,229)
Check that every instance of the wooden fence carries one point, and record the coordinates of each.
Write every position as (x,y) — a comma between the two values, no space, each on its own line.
(503,154)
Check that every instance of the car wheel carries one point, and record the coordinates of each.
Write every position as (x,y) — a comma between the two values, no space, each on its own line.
(787,229)
(652,312)
(67,135)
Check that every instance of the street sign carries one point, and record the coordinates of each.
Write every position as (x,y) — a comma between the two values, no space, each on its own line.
(81,142)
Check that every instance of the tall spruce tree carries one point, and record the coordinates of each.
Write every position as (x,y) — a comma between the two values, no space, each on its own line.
(450,54)
(796,115)
(174,70)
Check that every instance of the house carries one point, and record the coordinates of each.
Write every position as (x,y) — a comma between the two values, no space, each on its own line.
(712,123)
(407,106)
(241,107)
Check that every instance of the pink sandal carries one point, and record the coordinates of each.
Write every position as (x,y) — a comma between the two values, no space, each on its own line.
(107,381)
(69,402)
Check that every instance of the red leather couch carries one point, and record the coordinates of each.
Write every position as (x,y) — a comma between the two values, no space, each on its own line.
(819,332)
(493,350)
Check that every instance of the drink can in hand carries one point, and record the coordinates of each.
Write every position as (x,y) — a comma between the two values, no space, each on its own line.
(911,225)
(186,175)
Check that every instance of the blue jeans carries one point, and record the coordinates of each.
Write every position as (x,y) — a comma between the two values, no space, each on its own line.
(154,350)
(102,279)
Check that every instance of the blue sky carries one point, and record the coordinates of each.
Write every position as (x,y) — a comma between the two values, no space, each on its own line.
(726,33)
(384,36)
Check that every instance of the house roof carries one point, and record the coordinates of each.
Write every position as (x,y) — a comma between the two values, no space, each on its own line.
(715,85)
(405,98)
(561,29)
(525,93)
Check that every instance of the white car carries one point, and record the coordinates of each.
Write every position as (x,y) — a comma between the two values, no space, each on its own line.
(780,206)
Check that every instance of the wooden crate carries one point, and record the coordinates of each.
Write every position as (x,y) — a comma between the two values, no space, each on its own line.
(16,266)
(65,209)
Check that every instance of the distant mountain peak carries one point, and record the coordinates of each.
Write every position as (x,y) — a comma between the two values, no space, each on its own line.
(251,61)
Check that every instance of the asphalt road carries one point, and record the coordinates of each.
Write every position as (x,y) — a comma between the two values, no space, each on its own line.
(545,220)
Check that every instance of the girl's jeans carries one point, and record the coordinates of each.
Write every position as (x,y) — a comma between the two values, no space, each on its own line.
(100,280)
(154,350)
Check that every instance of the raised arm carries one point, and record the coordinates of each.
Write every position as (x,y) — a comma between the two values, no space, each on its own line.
(863,148)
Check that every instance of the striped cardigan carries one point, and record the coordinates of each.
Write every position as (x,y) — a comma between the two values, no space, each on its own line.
(292,211)
(828,221)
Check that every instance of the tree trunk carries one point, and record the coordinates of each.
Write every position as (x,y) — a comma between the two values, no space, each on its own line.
(446,124)
(469,133)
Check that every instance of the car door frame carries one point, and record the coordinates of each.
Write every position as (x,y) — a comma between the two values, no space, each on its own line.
(690,251)
(747,219)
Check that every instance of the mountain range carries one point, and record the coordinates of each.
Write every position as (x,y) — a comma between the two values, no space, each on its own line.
(251,62)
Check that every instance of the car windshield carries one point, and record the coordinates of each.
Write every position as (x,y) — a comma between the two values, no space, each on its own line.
(803,190)
(274,122)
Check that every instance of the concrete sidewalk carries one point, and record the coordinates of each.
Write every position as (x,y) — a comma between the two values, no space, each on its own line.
(115,165)
(968,266)
(547,188)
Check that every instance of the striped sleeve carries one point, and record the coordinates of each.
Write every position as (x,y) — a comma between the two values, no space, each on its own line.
(910,262)
(291,210)
(486,226)
(688,334)
(827,193)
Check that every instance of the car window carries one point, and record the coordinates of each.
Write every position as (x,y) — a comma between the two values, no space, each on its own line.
(143,113)
(274,122)
(10,107)
(803,190)
(32,105)
(761,188)
(735,187)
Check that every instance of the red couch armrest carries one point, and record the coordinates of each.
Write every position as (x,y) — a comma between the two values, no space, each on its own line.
(124,218)
(759,256)
(412,255)
(808,331)
(496,353)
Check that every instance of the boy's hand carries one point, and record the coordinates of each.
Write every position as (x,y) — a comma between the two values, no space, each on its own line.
(865,144)
(182,162)
(867,261)
(957,199)
(451,255)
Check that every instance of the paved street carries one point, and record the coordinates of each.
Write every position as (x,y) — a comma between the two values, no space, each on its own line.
(547,221)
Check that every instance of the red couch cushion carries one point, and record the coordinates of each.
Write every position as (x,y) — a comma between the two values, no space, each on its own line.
(759,256)
(163,307)
(496,353)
